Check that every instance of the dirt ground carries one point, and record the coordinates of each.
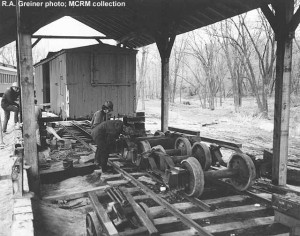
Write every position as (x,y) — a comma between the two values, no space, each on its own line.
(254,132)
(6,191)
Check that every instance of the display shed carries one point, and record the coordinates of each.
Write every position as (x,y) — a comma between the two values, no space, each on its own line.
(77,81)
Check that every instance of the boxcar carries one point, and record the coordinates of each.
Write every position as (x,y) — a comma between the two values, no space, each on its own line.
(76,82)
(8,75)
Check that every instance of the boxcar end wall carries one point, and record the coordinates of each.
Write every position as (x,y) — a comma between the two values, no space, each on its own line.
(80,80)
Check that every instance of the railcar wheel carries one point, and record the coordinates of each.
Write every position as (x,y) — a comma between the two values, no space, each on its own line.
(196,177)
(126,152)
(159,133)
(144,146)
(246,171)
(202,153)
(159,148)
(93,226)
(184,145)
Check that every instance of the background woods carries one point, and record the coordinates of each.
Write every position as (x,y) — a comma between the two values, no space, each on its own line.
(233,58)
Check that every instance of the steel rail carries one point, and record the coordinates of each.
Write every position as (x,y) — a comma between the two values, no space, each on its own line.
(77,138)
(83,130)
(184,219)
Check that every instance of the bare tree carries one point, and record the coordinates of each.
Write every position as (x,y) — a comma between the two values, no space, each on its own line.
(178,53)
(223,35)
(8,54)
(141,72)
(206,54)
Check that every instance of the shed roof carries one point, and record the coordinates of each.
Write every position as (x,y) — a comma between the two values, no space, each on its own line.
(6,67)
(103,48)
(136,24)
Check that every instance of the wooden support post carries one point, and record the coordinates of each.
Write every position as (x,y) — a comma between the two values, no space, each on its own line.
(27,96)
(165,88)
(164,45)
(284,12)
(18,183)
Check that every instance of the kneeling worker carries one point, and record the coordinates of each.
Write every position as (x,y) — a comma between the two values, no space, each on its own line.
(104,136)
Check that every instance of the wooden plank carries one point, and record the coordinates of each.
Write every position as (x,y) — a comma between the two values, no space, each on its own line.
(102,215)
(139,231)
(197,202)
(140,213)
(189,232)
(158,210)
(184,131)
(83,193)
(203,215)
(74,195)
(284,12)
(61,169)
(228,226)
(235,198)
(52,131)
(58,174)
(289,205)
(287,220)
(117,182)
(221,142)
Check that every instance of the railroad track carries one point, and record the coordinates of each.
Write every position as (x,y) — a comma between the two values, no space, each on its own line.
(221,210)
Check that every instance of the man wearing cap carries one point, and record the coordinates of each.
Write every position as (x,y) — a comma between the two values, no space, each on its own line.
(9,104)
(103,114)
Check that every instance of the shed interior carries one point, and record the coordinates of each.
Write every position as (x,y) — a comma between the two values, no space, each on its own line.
(142,22)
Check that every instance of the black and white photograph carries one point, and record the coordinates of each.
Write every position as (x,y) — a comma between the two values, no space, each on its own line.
(150,117)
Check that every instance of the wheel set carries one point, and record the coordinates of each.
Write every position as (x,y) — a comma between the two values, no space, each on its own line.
(187,166)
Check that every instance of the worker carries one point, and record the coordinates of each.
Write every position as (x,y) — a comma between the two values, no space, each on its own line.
(103,114)
(9,104)
(105,135)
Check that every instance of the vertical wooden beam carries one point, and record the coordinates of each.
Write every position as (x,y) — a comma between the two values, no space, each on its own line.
(164,46)
(165,89)
(27,96)
(284,10)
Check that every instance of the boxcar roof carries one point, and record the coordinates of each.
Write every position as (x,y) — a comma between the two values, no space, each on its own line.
(136,24)
(103,48)
(8,68)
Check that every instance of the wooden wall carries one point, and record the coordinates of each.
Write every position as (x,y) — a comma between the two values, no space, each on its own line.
(92,79)
(38,84)
(57,68)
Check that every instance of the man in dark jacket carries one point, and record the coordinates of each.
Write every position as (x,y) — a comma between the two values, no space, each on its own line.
(102,115)
(105,135)
(9,104)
